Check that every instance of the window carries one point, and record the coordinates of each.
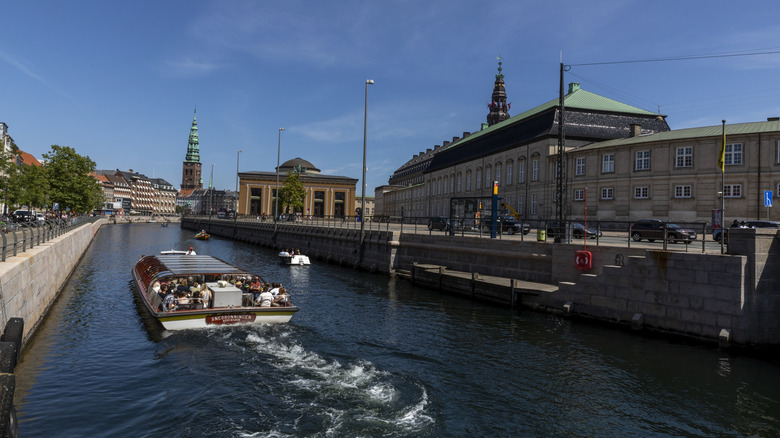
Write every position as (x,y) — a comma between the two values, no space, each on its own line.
(452,184)
(579,167)
(468,181)
(509,174)
(579,195)
(535,170)
(533,204)
(642,160)
(498,174)
(607,163)
(606,193)
(438,187)
(641,192)
(521,168)
(733,154)
(684,156)
(460,178)
(682,191)
(732,190)
(778,152)
(520,207)
(488,181)
(479,179)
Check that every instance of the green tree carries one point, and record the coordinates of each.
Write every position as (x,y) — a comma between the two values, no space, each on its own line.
(31,186)
(8,171)
(70,179)
(292,193)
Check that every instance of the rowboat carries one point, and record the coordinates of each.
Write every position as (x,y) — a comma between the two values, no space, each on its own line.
(227,304)
(203,236)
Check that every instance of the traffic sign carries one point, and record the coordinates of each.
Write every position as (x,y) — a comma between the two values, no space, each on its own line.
(767,198)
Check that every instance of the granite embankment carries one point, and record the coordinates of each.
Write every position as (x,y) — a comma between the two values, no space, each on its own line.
(731,298)
(31,280)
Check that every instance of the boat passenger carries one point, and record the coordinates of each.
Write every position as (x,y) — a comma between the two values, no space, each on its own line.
(265,299)
(282,299)
(169,302)
(191,251)
(275,289)
(183,302)
(205,296)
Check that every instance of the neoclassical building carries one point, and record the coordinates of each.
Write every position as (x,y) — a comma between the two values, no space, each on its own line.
(326,195)
(622,162)
(519,152)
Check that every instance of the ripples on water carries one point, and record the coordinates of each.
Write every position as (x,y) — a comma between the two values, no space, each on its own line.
(365,356)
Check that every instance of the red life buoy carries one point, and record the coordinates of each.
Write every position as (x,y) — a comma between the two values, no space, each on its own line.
(583,260)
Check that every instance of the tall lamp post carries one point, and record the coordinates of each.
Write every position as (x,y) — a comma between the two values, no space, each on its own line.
(278,153)
(235,212)
(363,191)
(211,190)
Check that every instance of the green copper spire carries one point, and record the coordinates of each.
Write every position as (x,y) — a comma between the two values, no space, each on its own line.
(193,148)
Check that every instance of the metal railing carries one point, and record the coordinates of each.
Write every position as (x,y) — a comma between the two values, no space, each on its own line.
(610,233)
(18,237)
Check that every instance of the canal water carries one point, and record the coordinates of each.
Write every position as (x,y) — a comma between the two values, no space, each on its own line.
(366,356)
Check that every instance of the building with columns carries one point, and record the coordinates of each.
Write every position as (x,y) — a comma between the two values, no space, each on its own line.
(326,195)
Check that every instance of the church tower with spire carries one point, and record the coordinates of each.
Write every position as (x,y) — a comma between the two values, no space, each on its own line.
(499,109)
(191,168)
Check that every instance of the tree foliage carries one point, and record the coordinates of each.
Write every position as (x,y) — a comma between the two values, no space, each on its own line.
(70,180)
(292,193)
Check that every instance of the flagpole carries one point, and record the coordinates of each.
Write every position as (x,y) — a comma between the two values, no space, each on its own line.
(722,188)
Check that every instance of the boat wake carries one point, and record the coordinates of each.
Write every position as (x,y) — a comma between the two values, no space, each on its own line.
(335,399)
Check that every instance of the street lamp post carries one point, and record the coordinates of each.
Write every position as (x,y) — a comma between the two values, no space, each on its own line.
(363,191)
(235,212)
(211,190)
(278,153)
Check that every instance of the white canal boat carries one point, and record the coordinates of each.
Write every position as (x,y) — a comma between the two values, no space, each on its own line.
(294,258)
(227,304)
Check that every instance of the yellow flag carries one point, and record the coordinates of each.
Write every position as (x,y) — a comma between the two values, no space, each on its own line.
(722,155)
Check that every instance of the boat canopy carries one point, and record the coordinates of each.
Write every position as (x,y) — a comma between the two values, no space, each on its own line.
(151,268)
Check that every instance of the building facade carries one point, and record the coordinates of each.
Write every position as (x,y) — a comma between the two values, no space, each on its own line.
(621,164)
(326,195)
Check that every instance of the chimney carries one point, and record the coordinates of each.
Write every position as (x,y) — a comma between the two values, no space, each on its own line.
(773,119)
(454,139)
(445,143)
(428,150)
(466,134)
(573,86)
(634,130)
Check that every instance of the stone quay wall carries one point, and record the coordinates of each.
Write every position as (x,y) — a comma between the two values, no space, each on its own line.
(31,281)
(731,298)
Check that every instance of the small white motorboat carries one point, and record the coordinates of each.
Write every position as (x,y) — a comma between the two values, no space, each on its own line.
(294,258)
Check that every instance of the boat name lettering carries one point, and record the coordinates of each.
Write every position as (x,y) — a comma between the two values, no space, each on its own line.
(230,319)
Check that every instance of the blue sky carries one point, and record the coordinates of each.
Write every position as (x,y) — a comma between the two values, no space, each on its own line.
(118,81)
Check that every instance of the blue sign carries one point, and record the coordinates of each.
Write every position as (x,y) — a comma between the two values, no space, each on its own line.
(767,198)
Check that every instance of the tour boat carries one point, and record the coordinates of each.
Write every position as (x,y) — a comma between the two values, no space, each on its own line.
(294,258)
(228,304)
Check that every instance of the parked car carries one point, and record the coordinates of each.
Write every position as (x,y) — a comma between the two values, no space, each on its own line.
(222,213)
(577,230)
(439,223)
(652,229)
(717,233)
(22,216)
(506,224)
(40,217)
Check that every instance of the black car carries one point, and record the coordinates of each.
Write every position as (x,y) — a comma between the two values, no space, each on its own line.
(22,216)
(439,223)
(578,231)
(652,229)
(716,234)
(506,224)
